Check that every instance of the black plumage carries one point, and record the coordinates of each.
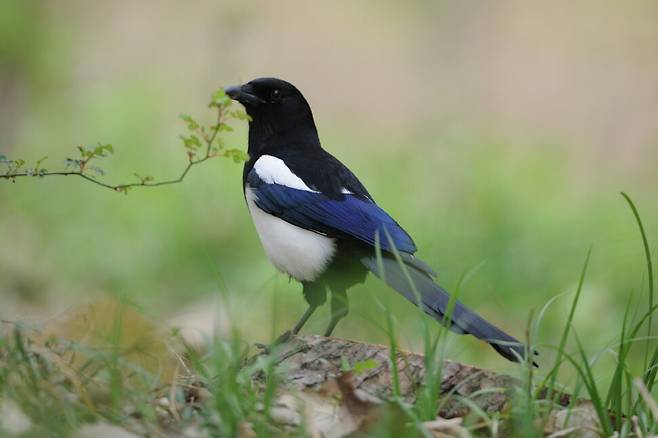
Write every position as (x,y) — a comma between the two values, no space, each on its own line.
(291,178)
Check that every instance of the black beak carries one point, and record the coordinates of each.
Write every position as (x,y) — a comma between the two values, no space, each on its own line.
(232,91)
(243,94)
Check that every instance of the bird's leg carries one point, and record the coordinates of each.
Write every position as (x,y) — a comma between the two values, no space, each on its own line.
(339,309)
(304,318)
(285,336)
(315,295)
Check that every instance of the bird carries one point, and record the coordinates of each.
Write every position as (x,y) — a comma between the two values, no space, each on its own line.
(319,224)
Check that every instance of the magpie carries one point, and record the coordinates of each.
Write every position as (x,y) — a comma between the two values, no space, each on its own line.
(318,223)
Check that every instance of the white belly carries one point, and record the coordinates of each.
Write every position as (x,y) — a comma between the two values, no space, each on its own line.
(300,253)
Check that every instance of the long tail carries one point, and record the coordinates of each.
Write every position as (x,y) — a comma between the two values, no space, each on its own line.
(435,300)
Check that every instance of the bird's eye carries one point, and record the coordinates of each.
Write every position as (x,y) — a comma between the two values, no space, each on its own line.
(276,94)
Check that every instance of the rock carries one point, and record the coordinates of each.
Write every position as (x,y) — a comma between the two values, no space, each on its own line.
(103,430)
(13,419)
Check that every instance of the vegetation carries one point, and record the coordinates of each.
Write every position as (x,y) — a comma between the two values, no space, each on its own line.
(521,126)
(108,362)
(201,144)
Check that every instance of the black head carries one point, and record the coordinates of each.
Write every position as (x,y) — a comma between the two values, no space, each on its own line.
(280,115)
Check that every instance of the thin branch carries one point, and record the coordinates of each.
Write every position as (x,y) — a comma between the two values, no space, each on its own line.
(117,187)
(219,101)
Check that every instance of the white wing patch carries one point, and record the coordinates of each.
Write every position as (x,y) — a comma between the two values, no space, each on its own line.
(273,170)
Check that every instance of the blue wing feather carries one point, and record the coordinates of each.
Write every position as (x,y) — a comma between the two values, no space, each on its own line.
(352,216)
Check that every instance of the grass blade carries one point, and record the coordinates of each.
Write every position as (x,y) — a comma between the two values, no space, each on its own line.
(650,376)
(567,327)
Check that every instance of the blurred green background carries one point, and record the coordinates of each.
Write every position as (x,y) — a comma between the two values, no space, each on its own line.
(499,134)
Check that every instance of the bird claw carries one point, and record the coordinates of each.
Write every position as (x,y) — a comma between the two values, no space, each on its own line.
(283,339)
(264,348)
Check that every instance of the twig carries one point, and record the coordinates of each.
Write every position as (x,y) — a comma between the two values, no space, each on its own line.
(124,187)
(219,101)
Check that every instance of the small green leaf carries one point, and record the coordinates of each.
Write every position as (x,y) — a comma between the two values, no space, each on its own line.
(70,162)
(365,365)
(220,99)
(41,160)
(344,365)
(223,127)
(240,115)
(99,151)
(97,169)
(192,124)
(238,155)
(144,179)
(191,142)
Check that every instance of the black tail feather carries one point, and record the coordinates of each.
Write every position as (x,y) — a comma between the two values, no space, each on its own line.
(435,301)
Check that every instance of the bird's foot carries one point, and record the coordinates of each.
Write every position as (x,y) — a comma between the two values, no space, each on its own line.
(284,338)
(264,348)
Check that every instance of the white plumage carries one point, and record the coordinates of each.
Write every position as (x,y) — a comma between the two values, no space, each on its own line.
(300,253)
(273,170)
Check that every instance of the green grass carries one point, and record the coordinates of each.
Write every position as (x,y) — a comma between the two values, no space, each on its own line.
(61,382)
(521,199)
(192,245)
